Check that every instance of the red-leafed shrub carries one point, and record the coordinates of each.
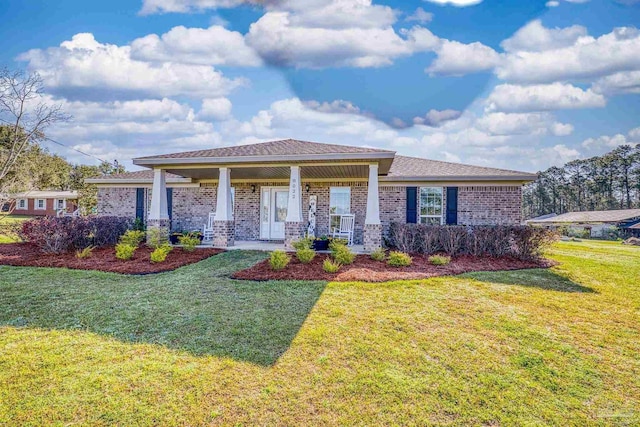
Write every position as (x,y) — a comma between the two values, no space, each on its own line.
(57,235)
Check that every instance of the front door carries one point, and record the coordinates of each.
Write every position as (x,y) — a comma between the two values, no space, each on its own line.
(273,212)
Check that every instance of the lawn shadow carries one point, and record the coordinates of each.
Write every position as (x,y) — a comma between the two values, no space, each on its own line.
(536,278)
(196,308)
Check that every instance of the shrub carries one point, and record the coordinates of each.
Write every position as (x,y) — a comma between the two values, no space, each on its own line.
(305,255)
(492,240)
(343,255)
(189,242)
(427,239)
(378,255)
(278,260)
(439,260)
(303,243)
(330,266)
(453,239)
(529,242)
(106,230)
(84,253)
(124,251)
(399,259)
(132,237)
(336,243)
(156,237)
(160,253)
(403,237)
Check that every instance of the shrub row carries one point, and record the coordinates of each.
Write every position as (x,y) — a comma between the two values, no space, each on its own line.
(522,242)
(57,235)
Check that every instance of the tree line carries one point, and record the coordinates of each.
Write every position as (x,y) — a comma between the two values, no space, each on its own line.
(610,181)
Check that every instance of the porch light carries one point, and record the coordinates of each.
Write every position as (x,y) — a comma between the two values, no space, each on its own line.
(253,188)
(307,187)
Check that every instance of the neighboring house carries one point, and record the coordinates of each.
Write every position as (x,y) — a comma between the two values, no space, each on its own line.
(596,223)
(269,190)
(45,203)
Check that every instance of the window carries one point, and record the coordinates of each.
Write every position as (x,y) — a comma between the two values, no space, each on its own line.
(61,204)
(21,204)
(41,204)
(339,204)
(430,207)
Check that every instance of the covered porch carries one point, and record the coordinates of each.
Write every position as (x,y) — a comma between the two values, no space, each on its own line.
(266,206)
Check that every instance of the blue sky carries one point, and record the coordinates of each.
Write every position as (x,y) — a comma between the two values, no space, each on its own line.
(515,84)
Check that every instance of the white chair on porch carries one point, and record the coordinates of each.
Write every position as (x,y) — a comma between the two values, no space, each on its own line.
(207,230)
(345,231)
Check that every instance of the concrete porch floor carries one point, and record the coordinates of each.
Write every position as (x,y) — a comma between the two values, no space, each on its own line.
(268,246)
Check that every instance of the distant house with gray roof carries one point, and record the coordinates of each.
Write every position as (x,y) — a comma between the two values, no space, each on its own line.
(596,223)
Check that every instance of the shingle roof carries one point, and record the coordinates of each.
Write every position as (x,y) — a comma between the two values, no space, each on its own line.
(272,148)
(414,167)
(136,176)
(48,194)
(594,216)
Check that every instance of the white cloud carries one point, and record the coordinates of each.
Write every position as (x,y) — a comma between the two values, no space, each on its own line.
(457,3)
(534,37)
(455,58)
(84,63)
(437,117)
(521,124)
(556,96)
(185,6)
(146,110)
(420,15)
(204,46)
(552,3)
(624,82)
(587,58)
(605,143)
(337,106)
(215,108)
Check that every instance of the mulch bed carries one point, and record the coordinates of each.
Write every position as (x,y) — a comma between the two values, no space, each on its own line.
(102,259)
(364,269)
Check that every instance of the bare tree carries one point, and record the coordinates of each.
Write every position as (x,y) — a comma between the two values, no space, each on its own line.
(24,117)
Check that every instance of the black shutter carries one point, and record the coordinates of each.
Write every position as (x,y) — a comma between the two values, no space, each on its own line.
(452,205)
(412,205)
(170,203)
(140,204)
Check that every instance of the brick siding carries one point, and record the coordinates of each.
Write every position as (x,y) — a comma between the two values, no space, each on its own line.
(489,205)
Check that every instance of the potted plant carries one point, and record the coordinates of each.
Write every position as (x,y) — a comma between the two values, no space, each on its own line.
(174,237)
(321,243)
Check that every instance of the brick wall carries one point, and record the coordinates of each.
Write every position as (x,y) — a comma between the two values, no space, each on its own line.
(117,201)
(489,205)
(393,206)
(191,207)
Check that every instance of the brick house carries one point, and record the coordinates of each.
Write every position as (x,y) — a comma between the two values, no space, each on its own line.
(44,203)
(266,191)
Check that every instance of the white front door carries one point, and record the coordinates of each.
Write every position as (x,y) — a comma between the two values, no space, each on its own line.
(273,212)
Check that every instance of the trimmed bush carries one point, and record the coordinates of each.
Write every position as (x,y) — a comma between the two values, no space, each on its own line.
(439,259)
(132,237)
(305,255)
(189,242)
(125,251)
(330,266)
(378,255)
(84,253)
(278,260)
(343,255)
(303,243)
(156,237)
(57,235)
(522,242)
(399,259)
(160,253)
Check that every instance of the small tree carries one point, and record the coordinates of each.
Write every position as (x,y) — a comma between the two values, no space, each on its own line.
(25,117)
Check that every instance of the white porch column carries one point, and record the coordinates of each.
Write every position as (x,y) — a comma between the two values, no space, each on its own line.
(224,208)
(293,222)
(373,199)
(372,237)
(223,223)
(294,207)
(158,210)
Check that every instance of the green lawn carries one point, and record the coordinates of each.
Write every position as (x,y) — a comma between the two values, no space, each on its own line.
(192,347)
(6,224)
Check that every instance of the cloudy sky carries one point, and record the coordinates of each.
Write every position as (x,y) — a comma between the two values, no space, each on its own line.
(507,83)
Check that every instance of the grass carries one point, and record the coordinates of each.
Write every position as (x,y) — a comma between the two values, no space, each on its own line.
(6,222)
(191,347)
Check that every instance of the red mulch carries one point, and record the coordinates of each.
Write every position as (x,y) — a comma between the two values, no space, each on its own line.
(102,259)
(364,269)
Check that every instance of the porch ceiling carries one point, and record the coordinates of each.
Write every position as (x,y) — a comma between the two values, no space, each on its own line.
(266,172)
